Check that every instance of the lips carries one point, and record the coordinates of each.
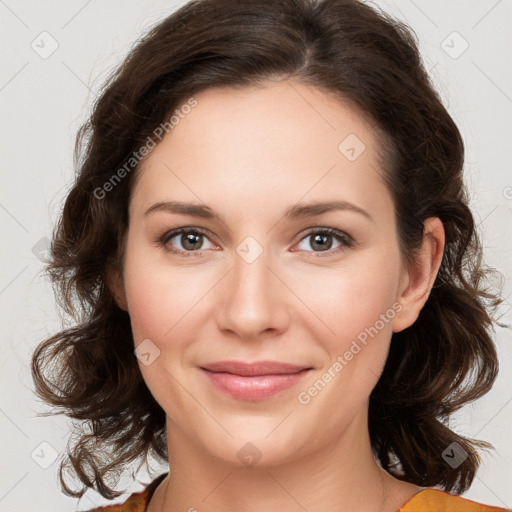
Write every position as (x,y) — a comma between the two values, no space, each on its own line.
(253,381)
(253,369)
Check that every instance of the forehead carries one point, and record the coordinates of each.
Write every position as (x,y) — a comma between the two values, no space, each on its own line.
(285,112)
(282,140)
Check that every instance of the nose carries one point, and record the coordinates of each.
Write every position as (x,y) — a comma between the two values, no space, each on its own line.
(253,301)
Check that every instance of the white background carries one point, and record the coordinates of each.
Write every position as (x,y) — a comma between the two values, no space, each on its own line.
(43,103)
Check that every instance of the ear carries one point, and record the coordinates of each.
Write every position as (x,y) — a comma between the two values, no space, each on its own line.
(418,279)
(115,284)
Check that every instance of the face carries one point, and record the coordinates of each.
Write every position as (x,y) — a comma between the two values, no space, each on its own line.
(260,278)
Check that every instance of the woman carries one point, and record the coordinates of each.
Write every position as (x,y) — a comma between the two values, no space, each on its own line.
(275,272)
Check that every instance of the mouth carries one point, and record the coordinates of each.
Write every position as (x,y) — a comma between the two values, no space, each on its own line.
(253,381)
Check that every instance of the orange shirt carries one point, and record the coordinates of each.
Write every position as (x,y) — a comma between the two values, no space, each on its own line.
(428,500)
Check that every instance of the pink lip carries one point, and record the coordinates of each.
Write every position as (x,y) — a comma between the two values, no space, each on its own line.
(253,381)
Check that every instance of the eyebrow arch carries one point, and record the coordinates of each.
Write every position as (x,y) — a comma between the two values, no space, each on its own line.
(297,211)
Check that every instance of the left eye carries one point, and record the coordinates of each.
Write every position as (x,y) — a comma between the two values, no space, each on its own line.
(323,240)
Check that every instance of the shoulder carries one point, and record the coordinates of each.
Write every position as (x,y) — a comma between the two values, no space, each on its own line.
(136,502)
(434,500)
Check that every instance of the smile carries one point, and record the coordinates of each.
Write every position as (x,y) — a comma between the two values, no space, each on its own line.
(253,381)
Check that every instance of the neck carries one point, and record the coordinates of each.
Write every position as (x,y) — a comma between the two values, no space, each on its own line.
(342,475)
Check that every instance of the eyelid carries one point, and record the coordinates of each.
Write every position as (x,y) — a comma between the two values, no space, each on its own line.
(346,240)
(164,239)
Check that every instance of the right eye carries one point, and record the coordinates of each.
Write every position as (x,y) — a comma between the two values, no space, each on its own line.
(190,240)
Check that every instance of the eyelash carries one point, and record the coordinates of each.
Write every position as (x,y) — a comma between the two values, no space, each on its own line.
(346,240)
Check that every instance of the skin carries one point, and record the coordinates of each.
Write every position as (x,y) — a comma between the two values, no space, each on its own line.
(250,154)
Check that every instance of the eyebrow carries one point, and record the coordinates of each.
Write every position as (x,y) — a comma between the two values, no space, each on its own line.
(297,211)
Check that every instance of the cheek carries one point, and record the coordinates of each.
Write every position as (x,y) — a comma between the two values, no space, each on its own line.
(357,308)
(351,299)
(146,305)
(161,307)
(159,296)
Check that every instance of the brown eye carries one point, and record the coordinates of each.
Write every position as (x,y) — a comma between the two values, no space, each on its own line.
(191,241)
(184,240)
(321,240)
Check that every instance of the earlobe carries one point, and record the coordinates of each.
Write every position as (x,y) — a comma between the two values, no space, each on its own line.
(420,276)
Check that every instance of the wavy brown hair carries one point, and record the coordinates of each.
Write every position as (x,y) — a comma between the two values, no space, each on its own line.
(446,359)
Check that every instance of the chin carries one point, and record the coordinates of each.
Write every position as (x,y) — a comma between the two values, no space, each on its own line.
(258,454)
